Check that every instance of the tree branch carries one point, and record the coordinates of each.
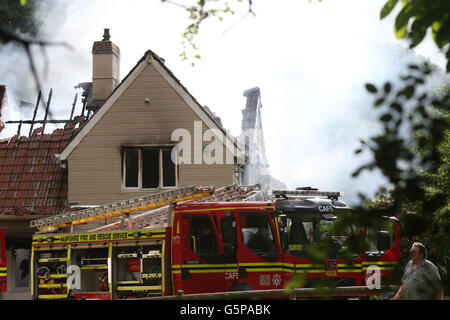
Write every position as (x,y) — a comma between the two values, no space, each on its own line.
(6,37)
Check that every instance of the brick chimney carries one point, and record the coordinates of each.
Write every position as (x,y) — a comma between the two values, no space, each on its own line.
(105,69)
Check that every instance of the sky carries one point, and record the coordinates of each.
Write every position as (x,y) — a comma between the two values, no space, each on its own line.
(310,60)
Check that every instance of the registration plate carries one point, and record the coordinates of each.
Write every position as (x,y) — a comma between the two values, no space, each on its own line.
(331,268)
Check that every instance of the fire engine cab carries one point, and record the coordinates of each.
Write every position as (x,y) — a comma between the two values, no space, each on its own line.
(308,217)
(262,245)
(209,244)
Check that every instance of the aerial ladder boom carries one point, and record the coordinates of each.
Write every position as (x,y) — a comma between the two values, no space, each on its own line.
(160,217)
(149,203)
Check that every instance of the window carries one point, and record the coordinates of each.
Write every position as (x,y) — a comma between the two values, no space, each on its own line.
(200,235)
(132,168)
(299,233)
(148,168)
(256,233)
(228,227)
(371,236)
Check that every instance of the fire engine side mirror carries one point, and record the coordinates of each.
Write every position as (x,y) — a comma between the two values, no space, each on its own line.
(383,241)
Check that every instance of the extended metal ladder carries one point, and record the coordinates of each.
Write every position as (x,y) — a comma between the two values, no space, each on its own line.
(159,201)
(120,207)
(159,217)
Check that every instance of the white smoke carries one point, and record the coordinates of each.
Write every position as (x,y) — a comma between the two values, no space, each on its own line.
(58,68)
(310,60)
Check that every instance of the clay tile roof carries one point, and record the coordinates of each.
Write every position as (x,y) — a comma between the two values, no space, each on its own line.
(31,180)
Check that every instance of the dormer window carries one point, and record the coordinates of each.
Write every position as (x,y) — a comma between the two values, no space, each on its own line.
(148,168)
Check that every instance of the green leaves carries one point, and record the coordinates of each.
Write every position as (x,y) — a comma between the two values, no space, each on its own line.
(401,22)
(416,17)
(417,165)
(371,88)
(386,117)
(407,92)
(396,106)
(387,8)
(418,31)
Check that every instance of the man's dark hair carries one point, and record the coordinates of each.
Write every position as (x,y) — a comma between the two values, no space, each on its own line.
(422,249)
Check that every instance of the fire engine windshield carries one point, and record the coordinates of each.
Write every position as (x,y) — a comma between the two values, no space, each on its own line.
(299,233)
(302,232)
(327,231)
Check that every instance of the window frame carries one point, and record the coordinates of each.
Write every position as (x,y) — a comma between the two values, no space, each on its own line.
(139,149)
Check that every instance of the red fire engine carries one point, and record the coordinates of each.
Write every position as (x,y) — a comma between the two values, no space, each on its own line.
(205,247)
(262,245)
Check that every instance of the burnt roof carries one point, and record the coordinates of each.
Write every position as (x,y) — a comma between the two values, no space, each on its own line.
(32,182)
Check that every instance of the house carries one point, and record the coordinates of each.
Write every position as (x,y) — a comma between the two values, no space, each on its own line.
(143,134)
(126,148)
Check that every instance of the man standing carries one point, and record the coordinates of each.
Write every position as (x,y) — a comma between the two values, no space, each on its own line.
(421,280)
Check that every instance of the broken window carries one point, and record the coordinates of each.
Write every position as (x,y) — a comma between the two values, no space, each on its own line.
(169,178)
(148,168)
(132,168)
